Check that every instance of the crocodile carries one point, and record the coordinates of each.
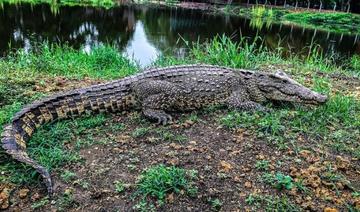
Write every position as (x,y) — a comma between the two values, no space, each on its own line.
(156,92)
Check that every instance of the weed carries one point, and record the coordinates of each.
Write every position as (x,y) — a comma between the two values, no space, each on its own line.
(65,201)
(68,176)
(262,165)
(279,180)
(167,136)
(271,203)
(283,181)
(301,187)
(119,186)
(160,180)
(140,132)
(41,203)
(215,204)
(355,194)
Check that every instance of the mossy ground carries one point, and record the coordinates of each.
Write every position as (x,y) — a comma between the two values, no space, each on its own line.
(295,158)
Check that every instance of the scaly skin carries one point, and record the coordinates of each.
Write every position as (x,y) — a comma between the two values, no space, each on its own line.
(156,92)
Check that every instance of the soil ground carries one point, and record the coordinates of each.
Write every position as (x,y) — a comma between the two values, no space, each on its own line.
(233,167)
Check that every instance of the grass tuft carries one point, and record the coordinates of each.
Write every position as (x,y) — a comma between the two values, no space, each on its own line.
(158,181)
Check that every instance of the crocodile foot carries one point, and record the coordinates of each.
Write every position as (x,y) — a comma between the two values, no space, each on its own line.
(159,115)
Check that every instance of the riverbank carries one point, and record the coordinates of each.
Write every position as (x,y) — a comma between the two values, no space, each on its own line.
(337,22)
(294,158)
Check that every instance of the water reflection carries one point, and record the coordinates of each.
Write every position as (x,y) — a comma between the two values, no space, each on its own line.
(144,33)
(139,48)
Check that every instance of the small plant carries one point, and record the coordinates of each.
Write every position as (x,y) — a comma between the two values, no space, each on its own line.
(44,201)
(140,132)
(68,176)
(160,180)
(271,203)
(119,186)
(301,187)
(215,204)
(66,200)
(262,165)
(283,181)
(355,194)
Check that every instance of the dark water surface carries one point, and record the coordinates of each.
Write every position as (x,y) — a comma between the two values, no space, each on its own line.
(144,33)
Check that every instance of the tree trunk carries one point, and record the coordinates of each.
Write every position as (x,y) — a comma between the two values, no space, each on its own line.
(296,4)
(275,3)
(321,3)
(308,4)
(285,3)
(342,5)
(348,6)
(248,2)
(334,6)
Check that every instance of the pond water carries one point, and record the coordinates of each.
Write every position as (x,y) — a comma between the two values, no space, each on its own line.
(143,33)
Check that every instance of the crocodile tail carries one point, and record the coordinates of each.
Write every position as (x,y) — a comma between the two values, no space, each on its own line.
(13,144)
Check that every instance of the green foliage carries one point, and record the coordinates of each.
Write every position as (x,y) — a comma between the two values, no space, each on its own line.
(119,186)
(140,132)
(41,203)
(103,62)
(65,201)
(271,203)
(47,146)
(336,123)
(215,204)
(355,64)
(262,165)
(54,5)
(160,180)
(283,181)
(68,176)
(335,21)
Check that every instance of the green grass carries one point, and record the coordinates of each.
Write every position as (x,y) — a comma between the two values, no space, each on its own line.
(119,186)
(253,55)
(20,71)
(338,22)
(56,4)
(159,181)
(335,124)
(104,62)
(355,64)
(271,203)
(333,21)
(48,146)
(279,180)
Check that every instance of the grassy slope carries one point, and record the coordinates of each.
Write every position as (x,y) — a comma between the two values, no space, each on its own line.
(337,22)
(334,126)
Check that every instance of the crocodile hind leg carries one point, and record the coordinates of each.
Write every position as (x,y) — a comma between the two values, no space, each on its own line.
(157,97)
(153,108)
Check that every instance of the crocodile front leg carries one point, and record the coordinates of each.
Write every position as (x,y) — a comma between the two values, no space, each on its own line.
(156,97)
(240,100)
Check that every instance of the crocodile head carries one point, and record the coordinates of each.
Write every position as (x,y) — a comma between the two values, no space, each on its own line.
(280,87)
